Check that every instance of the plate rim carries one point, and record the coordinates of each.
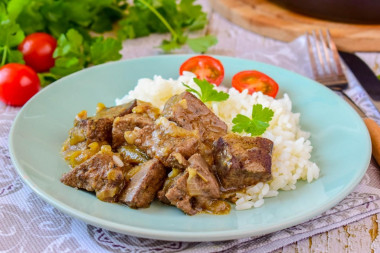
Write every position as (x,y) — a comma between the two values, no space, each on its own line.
(173,235)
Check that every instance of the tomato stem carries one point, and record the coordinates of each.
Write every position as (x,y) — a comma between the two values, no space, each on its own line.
(160,17)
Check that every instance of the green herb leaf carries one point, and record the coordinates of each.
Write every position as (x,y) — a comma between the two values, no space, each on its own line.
(261,114)
(15,7)
(378,77)
(135,24)
(15,55)
(241,122)
(58,16)
(207,93)
(193,18)
(104,50)
(69,55)
(194,91)
(69,44)
(74,52)
(32,19)
(162,16)
(67,65)
(174,43)
(255,126)
(47,78)
(201,44)
(10,37)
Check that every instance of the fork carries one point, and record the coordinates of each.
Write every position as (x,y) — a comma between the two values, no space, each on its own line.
(327,69)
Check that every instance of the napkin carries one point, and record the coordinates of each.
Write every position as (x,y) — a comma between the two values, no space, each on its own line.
(27,222)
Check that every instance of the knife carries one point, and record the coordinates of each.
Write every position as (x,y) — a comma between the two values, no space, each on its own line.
(368,80)
(365,76)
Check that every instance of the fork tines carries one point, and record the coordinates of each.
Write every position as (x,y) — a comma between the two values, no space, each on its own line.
(324,59)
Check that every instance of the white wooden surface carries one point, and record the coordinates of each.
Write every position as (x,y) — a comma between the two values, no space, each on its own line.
(360,236)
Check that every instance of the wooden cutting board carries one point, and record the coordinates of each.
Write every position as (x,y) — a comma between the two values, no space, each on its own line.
(271,20)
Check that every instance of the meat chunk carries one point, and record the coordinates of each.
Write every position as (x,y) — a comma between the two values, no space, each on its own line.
(201,182)
(170,180)
(127,123)
(102,173)
(115,111)
(144,184)
(195,190)
(192,114)
(241,161)
(177,195)
(97,128)
(166,141)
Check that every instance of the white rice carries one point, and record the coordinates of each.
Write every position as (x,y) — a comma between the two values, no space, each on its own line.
(292,147)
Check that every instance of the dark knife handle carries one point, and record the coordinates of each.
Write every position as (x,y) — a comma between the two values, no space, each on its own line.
(363,73)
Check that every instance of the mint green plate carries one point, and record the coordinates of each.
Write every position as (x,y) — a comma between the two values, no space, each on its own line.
(342,150)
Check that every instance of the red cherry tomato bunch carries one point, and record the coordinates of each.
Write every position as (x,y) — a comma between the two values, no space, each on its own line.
(19,82)
(211,69)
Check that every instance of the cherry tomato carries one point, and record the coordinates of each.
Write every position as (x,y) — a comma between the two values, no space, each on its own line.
(38,49)
(255,81)
(204,67)
(18,83)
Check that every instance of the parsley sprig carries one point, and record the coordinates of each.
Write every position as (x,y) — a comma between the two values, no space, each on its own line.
(10,35)
(74,53)
(257,124)
(207,91)
(161,16)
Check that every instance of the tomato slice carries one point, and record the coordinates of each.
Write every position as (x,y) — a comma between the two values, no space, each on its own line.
(254,81)
(204,67)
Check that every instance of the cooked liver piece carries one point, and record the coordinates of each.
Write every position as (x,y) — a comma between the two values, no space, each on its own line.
(202,181)
(99,127)
(127,123)
(241,161)
(116,111)
(193,190)
(166,141)
(192,114)
(101,173)
(144,185)
(177,195)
